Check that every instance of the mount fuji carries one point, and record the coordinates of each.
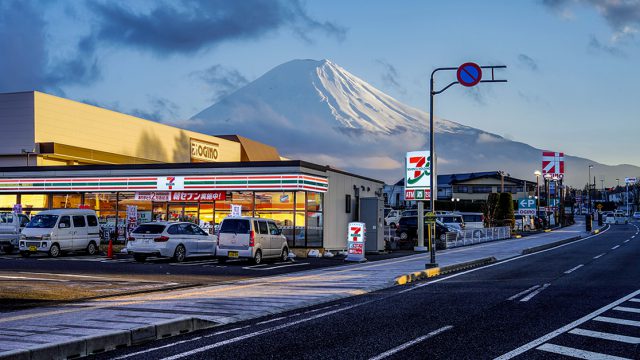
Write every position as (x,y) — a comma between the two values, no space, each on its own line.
(319,112)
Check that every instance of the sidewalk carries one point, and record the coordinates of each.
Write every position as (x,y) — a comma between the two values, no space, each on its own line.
(94,326)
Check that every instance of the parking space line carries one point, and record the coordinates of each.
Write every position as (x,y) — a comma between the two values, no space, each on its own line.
(577,353)
(193,263)
(606,336)
(272,267)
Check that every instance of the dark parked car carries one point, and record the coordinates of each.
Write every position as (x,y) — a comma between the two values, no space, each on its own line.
(407,231)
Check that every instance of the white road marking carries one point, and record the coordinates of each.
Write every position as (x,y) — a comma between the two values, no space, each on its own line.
(258,333)
(615,247)
(177,343)
(499,263)
(577,353)
(523,292)
(274,267)
(633,237)
(530,296)
(541,340)
(627,309)
(573,269)
(635,300)
(406,345)
(193,263)
(272,320)
(606,336)
(599,256)
(67,275)
(617,321)
(626,241)
(30,278)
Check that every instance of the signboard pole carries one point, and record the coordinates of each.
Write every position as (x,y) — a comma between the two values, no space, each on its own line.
(433,187)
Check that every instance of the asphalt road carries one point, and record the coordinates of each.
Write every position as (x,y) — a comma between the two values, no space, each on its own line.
(580,299)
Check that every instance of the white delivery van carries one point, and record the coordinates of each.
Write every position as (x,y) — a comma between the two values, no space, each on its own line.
(57,231)
(253,238)
(11,225)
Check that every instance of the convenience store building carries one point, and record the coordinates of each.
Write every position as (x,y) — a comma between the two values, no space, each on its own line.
(164,172)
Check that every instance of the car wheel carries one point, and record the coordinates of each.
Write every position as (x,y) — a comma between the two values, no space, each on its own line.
(404,235)
(285,255)
(180,254)
(139,257)
(443,237)
(257,258)
(25,254)
(92,249)
(54,251)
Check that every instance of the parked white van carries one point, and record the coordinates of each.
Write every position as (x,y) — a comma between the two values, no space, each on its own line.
(253,238)
(57,231)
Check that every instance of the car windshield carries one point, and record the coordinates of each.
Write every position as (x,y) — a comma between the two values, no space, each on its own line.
(43,221)
(6,218)
(149,229)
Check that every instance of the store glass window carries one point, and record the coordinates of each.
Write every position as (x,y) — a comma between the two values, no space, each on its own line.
(274,201)
(7,201)
(66,201)
(144,208)
(314,229)
(314,202)
(34,201)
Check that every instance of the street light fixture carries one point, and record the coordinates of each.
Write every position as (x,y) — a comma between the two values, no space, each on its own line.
(454,200)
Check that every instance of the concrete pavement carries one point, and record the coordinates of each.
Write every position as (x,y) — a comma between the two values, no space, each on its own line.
(95,326)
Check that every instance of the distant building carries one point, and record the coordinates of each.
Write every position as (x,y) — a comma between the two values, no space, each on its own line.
(468,187)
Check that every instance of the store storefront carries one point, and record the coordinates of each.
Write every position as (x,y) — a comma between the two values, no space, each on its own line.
(293,193)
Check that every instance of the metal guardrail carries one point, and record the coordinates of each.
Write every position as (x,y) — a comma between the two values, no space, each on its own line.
(477,236)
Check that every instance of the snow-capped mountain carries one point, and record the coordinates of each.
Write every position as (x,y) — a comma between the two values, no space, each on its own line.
(319,112)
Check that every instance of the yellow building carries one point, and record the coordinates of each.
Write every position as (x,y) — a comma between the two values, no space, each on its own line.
(41,129)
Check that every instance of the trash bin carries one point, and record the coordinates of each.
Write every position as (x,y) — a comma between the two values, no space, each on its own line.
(588,224)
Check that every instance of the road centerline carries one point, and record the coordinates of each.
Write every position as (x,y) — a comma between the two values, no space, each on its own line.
(523,292)
(599,256)
(573,269)
(530,296)
(615,247)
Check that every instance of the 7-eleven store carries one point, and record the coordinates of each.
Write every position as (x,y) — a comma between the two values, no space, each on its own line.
(311,203)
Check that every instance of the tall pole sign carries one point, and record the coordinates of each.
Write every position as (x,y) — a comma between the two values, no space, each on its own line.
(468,74)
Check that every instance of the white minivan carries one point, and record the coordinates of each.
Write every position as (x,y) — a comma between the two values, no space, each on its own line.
(57,231)
(253,238)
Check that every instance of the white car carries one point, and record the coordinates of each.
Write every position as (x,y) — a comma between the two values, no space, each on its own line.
(636,215)
(177,240)
(392,218)
(617,218)
(253,238)
(57,231)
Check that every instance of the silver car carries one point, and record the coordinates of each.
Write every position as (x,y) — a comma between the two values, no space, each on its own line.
(253,238)
(177,240)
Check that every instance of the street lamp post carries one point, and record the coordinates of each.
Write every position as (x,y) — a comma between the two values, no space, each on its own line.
(589,188)
(432,149)
(537,173)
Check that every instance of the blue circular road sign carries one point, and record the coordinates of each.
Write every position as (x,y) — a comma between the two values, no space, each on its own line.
(469,74)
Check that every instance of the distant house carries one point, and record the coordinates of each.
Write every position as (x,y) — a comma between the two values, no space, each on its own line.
(468,187)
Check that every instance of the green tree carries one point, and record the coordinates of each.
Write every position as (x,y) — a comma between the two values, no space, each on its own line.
(490,209)
(504,212)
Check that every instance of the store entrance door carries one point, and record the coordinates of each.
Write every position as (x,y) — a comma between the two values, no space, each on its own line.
(183,212)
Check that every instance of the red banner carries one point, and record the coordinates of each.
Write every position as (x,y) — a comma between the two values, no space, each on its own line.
(198,196)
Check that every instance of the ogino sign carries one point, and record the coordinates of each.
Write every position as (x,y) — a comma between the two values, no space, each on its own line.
(417,179)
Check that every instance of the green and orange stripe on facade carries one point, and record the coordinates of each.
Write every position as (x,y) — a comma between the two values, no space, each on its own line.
(191,183)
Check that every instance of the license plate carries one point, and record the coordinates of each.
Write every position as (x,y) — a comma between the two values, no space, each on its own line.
(233,254)
(33,248)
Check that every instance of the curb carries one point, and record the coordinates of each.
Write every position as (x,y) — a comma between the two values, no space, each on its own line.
(424,274)
(116,340)
(550,245)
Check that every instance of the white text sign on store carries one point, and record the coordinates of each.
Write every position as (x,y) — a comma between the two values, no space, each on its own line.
(204,151)
(153,196)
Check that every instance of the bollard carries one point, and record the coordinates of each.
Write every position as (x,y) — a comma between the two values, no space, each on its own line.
(110,249)
(588,223)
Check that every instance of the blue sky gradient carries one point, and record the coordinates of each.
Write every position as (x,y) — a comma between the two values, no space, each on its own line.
(572,64)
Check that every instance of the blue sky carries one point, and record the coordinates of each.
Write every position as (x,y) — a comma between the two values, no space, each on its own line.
(572,64)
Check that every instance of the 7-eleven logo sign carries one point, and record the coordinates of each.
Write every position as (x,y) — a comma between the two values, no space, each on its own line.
(170,183)
(418,171)
(552,163)
(356,232)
